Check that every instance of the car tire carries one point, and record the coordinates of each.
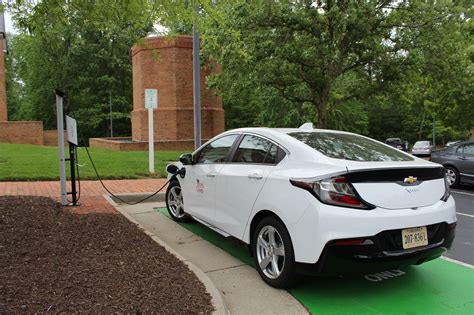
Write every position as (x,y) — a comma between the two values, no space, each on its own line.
(274,255)
(453,176)
(174,202)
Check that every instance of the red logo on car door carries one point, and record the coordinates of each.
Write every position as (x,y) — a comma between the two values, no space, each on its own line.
(199,186)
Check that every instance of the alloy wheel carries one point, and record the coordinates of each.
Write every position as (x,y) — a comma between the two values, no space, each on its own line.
(270,252)
(175,202)
(451,176)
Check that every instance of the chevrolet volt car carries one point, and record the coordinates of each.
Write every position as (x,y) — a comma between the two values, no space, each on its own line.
(313,201)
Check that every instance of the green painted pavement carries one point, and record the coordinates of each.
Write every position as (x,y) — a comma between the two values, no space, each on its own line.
(436,287)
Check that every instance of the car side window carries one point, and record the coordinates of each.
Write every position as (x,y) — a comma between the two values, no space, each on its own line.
(216,151)
(469,149)
(256,150)
(459,149)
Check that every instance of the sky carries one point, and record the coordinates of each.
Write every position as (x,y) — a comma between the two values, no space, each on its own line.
(11,29)
(9,24)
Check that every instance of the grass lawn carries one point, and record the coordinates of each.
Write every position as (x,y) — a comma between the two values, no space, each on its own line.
(35,162)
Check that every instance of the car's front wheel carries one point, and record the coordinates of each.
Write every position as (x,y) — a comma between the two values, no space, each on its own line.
(174,202)
(273,253)
(452,176)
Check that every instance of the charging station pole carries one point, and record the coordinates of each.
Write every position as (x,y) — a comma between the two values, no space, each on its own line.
(151,142)
(62,162)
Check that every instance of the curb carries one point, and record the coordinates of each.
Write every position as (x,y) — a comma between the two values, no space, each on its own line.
(135,197)
(216,297)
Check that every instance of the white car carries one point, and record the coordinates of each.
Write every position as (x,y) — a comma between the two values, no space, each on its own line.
(422,149)
(315,201)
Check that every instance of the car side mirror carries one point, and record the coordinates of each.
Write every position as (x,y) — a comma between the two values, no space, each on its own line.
(186,159)
(172,169)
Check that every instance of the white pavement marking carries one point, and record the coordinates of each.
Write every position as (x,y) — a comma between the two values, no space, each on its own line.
(457,262)
(467,215)
(462,192)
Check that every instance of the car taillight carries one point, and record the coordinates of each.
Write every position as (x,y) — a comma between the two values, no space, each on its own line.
(335,191)
(447,189)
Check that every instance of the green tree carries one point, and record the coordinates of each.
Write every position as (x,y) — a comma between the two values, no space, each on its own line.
(82,48)
(306,51)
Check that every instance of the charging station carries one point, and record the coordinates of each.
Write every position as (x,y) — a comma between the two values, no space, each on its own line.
(71,127)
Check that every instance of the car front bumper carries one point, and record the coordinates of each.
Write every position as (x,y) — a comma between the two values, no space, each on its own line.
(380,252)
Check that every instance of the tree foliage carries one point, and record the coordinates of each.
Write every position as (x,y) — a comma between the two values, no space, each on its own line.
(82,48)
(375,67)
(381,68)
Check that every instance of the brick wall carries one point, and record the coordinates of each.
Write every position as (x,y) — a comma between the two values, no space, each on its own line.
(50,137)
(106,143)
(30,132)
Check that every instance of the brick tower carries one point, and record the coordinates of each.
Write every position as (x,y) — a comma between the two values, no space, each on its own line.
(167,65)
(3,92)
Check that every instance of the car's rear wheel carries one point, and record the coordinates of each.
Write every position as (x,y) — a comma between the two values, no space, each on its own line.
(452,176)
(174,202)
(273,253)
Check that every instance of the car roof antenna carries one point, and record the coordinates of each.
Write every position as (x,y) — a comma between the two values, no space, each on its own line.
(307,126)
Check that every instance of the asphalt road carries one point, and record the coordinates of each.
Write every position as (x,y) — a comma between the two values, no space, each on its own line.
(463,246)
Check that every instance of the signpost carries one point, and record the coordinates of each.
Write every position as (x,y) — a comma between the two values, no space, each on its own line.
(151,102)
(196,88)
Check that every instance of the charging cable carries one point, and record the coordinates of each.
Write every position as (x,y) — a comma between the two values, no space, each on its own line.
(115,196)
(100,178)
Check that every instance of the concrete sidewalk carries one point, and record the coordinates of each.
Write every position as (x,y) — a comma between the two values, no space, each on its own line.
(239,284)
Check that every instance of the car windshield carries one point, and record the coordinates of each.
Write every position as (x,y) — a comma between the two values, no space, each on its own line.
(349,147)
(421,144)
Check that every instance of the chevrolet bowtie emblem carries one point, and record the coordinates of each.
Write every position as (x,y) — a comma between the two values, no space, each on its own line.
(410,180)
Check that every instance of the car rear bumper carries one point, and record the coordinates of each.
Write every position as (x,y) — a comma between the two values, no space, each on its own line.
(380,252)
(421,153)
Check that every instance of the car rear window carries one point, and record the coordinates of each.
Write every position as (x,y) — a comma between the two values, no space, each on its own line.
(350,147)
(421,144)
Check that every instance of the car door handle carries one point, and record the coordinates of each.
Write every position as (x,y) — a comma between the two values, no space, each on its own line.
(461,158)
(211,174)
(255,175)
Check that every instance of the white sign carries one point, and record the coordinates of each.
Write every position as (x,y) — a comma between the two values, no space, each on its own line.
(151,98)
(71,127)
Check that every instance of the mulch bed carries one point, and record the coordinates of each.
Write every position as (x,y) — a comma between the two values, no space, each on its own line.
(55,261)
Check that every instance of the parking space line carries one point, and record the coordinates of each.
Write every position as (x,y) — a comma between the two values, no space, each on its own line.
(467,215)
(462,192)
(457,262)
(441,286)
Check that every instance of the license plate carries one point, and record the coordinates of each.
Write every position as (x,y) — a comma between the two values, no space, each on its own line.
(414,237)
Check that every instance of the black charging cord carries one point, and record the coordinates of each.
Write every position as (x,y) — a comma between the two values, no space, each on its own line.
(78,176)
(66,100)
(115,196)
